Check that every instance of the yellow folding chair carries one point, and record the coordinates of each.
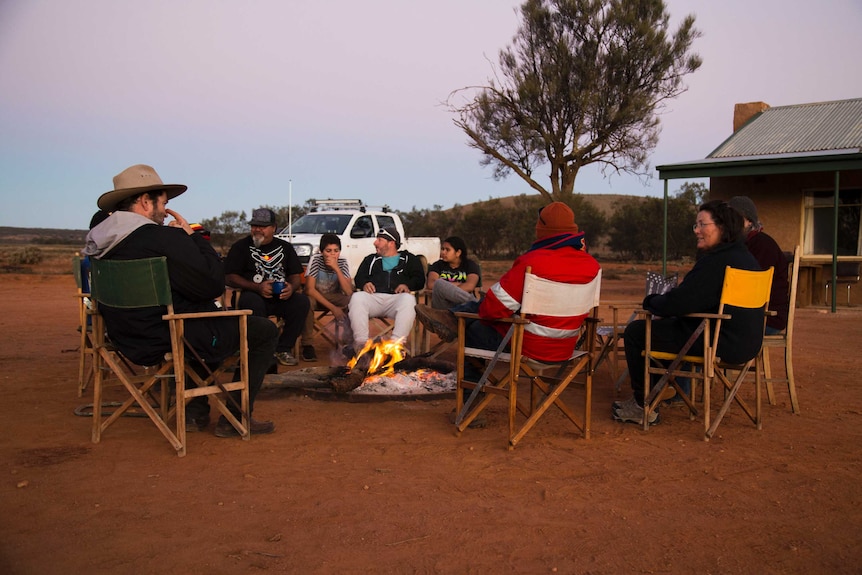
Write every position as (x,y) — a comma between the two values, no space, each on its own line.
(741,289)
(548,380)
(143,283)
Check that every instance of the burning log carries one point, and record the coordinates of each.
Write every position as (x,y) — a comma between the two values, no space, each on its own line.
(374,367)
(343,379)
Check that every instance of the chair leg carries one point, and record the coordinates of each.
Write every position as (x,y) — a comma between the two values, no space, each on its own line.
(767,373)
(791,385)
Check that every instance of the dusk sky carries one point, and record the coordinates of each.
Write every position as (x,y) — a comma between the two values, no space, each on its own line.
(341,98)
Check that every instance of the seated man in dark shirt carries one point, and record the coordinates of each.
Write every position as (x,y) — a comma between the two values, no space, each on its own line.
(269,273)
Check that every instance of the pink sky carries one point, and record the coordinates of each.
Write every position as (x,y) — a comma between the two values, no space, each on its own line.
(340,98)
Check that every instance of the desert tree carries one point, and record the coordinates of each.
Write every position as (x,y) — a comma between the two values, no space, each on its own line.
(636,229)
(583,82)
(693,193)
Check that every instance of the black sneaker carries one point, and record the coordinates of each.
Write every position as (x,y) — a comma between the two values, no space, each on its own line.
(308,353)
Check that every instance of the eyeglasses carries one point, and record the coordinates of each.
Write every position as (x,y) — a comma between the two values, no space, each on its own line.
(701,225)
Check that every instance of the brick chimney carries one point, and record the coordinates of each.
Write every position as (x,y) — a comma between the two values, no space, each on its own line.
(744,112)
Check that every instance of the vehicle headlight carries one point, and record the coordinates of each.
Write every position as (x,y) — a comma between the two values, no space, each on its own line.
(303,250)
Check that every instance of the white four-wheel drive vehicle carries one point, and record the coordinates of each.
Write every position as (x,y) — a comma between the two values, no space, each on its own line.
(357,225)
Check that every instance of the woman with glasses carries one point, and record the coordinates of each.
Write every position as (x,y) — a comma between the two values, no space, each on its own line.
(720,243)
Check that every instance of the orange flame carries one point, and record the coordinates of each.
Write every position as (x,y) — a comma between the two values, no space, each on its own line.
(386,355)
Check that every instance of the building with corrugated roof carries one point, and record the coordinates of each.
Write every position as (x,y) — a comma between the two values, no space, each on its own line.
(802,167)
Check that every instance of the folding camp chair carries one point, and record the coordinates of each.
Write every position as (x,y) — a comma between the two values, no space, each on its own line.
(548,380)
(741,289)
(85,357)
(143,283)
(610,335)
(784,340)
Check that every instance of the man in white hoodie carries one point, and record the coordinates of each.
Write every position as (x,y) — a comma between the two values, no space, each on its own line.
(135,230)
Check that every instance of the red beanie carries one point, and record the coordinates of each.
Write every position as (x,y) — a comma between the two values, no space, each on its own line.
(555,219)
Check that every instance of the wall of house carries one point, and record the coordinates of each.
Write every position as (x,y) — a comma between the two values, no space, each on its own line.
(779,201)
(779,198)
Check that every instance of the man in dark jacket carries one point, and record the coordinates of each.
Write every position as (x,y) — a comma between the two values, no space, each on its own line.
(385,280)
(767,253)
(135,230)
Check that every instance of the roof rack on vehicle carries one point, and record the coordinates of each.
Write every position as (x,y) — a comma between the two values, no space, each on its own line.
(337,205)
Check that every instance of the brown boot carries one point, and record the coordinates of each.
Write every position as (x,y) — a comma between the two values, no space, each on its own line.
(439,321)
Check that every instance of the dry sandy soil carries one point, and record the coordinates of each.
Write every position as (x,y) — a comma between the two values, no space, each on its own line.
(388,487)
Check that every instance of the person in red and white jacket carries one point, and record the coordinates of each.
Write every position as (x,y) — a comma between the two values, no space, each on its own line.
(558,254)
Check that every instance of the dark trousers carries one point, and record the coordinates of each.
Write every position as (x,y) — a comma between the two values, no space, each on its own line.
(668,334)
(293,311)
(477,334)
(262,340)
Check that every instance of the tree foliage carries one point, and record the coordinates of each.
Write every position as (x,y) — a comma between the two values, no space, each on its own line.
(695,194)
(583,82)
(636,226)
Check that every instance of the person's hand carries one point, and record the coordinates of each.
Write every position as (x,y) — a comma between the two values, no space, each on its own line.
(337,313)
(402,288)
(286,291)
(369,288)
(179,221)
(331,260)
(265,288)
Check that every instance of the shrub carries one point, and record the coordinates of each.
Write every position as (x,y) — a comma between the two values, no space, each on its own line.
(26,256)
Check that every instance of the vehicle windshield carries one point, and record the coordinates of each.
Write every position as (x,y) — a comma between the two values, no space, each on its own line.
(320,224)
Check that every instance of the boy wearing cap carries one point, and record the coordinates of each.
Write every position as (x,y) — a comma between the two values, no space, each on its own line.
(384,280)
(135,230)
(254,265)
(767,253)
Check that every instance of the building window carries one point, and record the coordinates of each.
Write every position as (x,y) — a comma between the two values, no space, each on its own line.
(819,217)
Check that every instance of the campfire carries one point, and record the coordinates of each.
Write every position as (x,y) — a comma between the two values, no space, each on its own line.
(380,368)
(384,355)
(374,367)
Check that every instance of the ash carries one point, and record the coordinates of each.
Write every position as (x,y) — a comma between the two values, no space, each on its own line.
(408,383)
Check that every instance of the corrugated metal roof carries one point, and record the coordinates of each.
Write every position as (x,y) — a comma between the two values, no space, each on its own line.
(797,129)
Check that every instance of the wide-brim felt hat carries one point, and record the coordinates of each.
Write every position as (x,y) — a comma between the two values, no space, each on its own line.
(136,180)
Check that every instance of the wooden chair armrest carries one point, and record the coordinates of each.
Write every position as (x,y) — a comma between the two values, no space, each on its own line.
(513,319)
(467,315)
(649,314)
(625,304)
(204,314)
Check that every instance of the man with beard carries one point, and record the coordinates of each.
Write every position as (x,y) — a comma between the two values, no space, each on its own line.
(135,230)
(268,272)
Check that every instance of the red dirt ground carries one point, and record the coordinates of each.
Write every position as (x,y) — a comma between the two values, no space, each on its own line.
(388,487)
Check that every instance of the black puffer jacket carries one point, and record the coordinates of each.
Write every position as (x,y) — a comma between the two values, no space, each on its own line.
(700,292)
(197,278)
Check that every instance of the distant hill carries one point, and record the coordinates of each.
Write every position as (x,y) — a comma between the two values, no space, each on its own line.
(10,235)
(607,203)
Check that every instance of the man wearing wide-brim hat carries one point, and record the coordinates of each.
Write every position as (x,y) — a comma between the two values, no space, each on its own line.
(135,230)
